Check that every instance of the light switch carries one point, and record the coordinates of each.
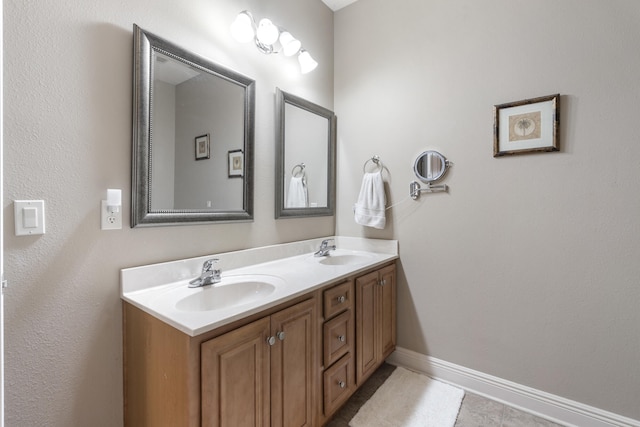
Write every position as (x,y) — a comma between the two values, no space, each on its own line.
(29,217)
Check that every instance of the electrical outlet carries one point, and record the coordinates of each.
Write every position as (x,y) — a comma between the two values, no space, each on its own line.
(110,220)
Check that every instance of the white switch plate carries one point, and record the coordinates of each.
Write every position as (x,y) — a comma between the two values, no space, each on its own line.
(110,220)
(29,217)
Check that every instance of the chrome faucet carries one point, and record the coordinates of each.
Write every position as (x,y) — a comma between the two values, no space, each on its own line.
(325,248)
(209,275)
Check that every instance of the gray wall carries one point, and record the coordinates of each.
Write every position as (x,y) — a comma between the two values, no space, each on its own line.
(68,70)
(528,269)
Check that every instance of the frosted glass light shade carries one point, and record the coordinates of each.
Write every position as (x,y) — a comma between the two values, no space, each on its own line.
(307,63)
(242,28)
(114,199)
(290,45)
(267,33)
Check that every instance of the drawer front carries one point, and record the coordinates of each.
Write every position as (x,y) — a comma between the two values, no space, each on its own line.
(338,337)
(338,299)
(339,383)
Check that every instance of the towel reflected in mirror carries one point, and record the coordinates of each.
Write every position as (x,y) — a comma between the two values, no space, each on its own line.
(297,196)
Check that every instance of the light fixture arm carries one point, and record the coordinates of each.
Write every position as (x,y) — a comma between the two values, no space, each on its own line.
(267,49)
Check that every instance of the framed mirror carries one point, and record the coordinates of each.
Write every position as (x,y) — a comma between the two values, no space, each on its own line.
(305,158)
(193,137)
(430,166)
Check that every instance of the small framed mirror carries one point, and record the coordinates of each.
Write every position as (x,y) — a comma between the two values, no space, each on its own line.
(305,158)
(430,166)
(193,137)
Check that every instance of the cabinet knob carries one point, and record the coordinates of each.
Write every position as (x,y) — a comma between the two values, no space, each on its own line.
(383,282)
(342,384)
(280,335)
(271,340)
(341,338)
(341,299)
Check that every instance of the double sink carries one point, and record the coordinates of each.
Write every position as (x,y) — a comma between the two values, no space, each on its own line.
(248,288)
(243,289)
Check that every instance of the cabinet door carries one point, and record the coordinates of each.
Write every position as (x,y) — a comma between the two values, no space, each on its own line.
(388,311)
(235,377)
(367,315)
(293,359)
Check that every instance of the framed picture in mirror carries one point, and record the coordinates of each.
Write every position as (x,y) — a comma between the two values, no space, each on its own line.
(203,148)
(526,126)
(236,164)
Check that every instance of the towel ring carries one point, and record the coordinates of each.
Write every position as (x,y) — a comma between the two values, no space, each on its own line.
(301,172)
(376,160)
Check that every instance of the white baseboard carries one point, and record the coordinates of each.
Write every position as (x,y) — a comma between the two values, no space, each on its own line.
(545,405)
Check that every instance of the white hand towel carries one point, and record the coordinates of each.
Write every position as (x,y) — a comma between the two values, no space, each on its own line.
(297,195)
(369,209)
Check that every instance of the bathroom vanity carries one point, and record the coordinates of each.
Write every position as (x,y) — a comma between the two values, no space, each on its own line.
(290,356)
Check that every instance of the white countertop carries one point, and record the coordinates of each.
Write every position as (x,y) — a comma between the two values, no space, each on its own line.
(157,288)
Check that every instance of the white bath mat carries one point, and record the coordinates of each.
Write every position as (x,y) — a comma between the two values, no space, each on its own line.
(408,399)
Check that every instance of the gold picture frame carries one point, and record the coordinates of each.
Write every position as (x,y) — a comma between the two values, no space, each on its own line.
(527,126)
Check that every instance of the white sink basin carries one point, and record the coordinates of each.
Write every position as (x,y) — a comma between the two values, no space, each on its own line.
(232,291)
(340,257)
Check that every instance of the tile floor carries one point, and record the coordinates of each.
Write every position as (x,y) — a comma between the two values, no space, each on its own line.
(476,411)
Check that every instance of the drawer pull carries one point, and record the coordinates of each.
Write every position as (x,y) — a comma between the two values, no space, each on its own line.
(271,340)
(280,335)
(342,384)
(341,299)
(341,338)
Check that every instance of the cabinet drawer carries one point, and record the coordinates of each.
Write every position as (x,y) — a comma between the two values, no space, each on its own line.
(339,381)
(337,299)
(338,337)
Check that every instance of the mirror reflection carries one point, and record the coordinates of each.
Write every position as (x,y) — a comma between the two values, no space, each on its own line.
(305,169)
(193,132)
(430,166)
(193,137)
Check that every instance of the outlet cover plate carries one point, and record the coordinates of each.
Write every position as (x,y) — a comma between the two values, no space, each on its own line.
(110,220)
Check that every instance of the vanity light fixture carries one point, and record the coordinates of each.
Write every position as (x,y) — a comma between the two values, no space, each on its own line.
(269,38)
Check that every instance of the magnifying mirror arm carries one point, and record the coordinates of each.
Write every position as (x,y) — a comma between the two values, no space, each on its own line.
(415,189)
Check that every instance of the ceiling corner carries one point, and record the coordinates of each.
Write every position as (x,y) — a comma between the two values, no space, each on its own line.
(336,5)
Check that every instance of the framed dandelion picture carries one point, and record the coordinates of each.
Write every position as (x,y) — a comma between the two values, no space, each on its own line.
(527,126)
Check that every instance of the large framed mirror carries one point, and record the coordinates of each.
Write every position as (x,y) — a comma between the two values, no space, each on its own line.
(305,158)
(193,137)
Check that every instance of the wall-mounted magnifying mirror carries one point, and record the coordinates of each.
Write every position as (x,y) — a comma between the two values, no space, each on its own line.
(193,137)
(430,166)
(305,157)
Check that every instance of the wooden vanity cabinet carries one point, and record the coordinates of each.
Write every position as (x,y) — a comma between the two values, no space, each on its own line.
(375,320)
(293,365)
(262,374)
